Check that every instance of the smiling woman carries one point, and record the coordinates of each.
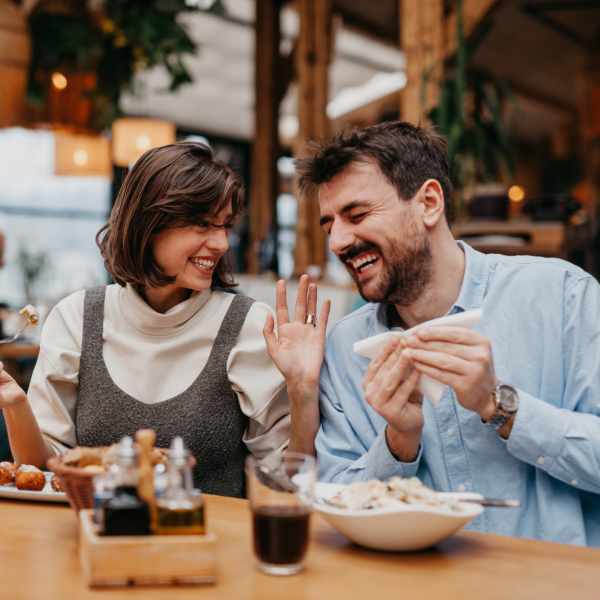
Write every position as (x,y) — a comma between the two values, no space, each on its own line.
(167,346)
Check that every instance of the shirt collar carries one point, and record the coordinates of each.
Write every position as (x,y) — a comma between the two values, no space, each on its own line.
(471,291)
(474,280)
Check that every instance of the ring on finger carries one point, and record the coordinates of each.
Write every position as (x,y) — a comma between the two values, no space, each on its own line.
(311,319)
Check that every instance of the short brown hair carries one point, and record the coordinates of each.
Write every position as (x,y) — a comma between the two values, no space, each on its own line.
(171,186)
(407,156)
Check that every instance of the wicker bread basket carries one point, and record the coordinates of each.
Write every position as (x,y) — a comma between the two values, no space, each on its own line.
(77,483)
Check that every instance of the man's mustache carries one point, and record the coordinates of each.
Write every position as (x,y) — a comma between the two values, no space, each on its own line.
(356,250)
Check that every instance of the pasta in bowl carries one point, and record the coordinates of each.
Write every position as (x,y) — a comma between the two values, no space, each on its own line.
(396,515)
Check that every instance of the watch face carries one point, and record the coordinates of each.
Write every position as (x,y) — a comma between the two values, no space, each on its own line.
(508,399)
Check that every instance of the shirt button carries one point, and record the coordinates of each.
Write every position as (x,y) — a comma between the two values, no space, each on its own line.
(574,482)
(462,487)
(540,460)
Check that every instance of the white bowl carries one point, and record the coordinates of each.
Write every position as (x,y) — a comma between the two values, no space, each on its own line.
(406,527)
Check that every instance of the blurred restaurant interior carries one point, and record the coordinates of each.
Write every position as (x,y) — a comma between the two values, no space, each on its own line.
(87,86)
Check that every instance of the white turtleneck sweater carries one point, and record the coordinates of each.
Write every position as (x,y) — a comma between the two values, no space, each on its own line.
(177,344)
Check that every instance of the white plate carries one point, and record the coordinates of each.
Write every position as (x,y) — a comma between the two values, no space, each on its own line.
(45,495)
(407,527)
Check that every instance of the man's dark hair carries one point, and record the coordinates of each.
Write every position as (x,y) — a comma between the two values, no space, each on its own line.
(171,186)
(407,156)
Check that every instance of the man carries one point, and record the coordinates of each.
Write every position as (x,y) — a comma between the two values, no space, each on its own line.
(520,416)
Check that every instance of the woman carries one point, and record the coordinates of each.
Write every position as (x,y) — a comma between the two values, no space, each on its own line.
(167,346)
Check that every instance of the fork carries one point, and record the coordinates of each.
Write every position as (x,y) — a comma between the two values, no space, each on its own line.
(16,335)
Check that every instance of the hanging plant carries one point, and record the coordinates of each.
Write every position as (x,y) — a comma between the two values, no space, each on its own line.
(470,114)
(114,39)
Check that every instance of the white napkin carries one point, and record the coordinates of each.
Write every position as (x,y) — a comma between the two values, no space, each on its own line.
(430,388)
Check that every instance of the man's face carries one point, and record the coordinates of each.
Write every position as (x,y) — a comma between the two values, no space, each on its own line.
(377,235)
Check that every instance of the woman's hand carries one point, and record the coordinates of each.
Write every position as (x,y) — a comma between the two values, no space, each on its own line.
(10,392)
(298,347)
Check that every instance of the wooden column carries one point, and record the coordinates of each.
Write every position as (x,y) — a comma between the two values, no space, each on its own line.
(427,38)
(422,41)
(264,186)
(313,55)
(15,52)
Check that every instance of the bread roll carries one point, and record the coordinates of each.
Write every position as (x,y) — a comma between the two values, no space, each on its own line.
(8,471)
(29,477)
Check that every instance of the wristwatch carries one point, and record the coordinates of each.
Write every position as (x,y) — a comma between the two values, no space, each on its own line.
(506,399)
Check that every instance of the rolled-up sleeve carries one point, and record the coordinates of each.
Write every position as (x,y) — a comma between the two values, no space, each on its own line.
(564,441)
(260,387)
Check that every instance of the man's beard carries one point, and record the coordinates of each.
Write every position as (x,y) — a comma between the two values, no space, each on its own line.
(405,271)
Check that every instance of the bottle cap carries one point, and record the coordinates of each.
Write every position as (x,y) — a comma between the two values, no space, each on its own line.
(126,449)
(178,452)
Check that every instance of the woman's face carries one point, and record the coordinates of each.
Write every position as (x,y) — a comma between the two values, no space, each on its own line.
(191,253)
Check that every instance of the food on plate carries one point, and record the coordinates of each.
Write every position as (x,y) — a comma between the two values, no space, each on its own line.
(31,314)
(8,471)
(56,484)
(30,478)
(396,491)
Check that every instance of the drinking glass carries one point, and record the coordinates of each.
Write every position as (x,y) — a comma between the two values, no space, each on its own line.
(281,492)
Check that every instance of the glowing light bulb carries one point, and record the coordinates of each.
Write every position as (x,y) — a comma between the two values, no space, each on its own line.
(142,142)
(516,193)
(80,157)
(59,81)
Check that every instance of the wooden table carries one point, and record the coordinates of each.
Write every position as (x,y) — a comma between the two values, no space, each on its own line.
(39,559)
(18,350)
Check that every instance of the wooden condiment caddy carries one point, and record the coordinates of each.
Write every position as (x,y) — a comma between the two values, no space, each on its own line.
(145,559)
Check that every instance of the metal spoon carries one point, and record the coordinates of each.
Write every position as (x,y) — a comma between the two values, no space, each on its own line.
(275,479)
(494,502)
(475,498)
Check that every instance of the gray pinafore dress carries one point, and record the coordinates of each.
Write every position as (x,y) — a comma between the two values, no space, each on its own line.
(207,415)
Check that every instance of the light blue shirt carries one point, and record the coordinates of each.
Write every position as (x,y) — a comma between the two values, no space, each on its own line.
(543,319)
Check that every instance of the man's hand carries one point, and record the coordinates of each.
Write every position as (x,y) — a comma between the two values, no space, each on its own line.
(390,386)
(460,358)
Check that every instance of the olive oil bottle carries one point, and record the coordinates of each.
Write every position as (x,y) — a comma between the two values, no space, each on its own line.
(179,508)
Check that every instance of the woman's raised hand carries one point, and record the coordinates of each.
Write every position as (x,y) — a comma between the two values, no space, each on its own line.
(298,347)
(10,392)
